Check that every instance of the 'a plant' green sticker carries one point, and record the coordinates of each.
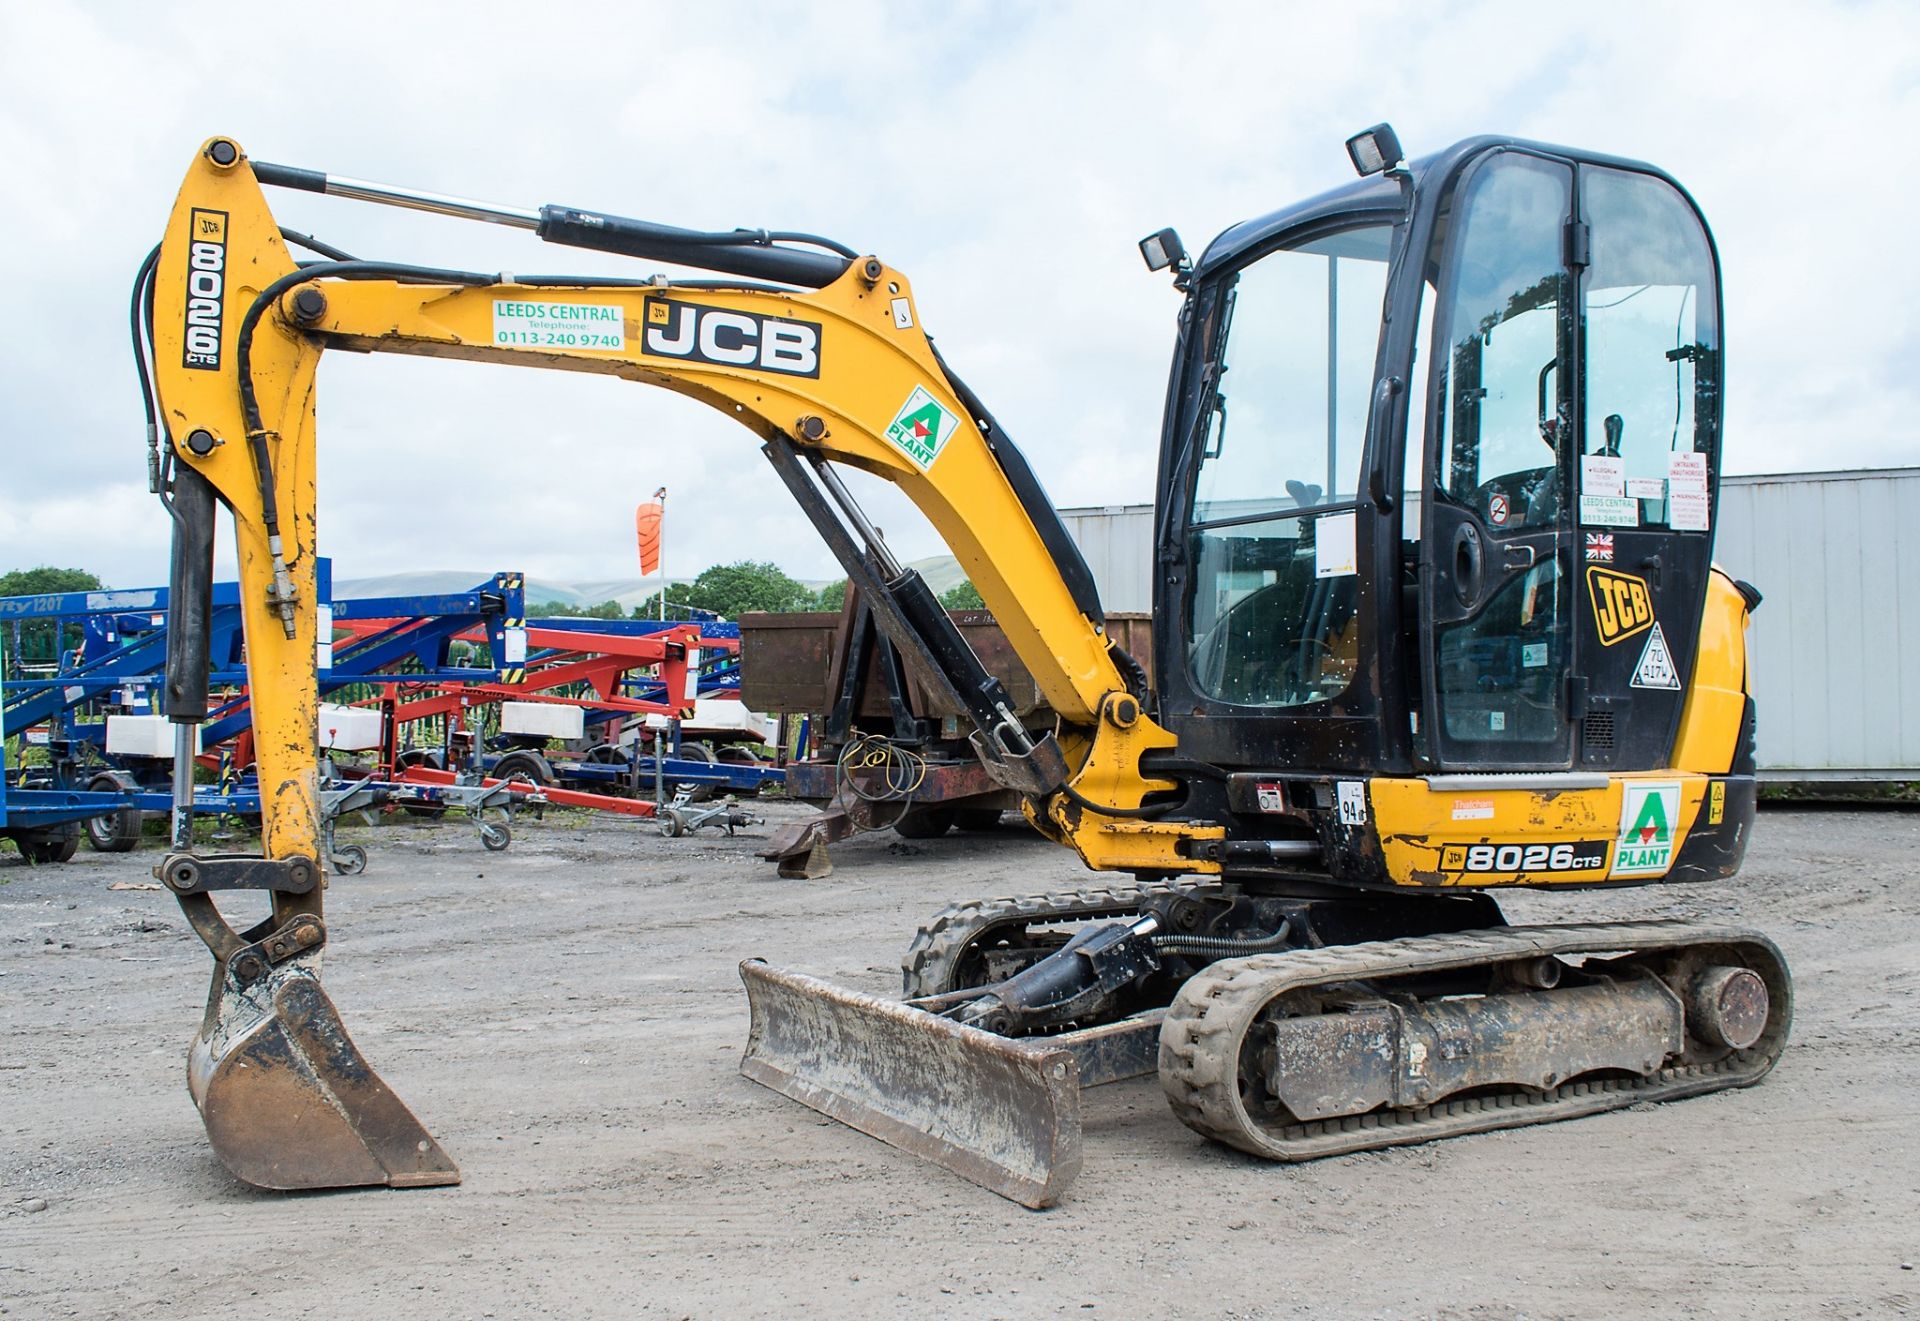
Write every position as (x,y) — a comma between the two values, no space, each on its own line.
(1648,815)
(922,427)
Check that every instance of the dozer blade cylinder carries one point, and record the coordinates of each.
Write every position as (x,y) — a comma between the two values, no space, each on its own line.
(1003,1113)
(290,1102)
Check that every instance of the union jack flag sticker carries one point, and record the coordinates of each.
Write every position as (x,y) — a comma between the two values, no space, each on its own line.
(1600,547)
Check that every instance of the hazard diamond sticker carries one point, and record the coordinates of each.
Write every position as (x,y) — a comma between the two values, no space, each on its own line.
(922,427)
(1656,668)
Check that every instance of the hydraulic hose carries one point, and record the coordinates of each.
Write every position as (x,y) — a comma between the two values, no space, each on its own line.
(346,270)
(137,321)
(312,244)
(1146,812)
(282,596)
(1221,947)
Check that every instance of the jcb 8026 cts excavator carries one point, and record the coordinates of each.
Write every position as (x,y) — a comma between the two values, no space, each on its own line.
(1435,615)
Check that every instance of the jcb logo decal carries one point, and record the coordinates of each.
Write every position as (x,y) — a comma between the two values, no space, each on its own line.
(206,289)
(1622,605)
(728,338)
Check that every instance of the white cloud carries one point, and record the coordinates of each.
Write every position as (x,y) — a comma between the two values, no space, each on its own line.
(1006,156)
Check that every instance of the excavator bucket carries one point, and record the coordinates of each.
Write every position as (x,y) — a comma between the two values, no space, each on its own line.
(288,1099)
(1001,1112)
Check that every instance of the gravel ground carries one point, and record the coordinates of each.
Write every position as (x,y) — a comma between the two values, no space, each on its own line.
(567,1019)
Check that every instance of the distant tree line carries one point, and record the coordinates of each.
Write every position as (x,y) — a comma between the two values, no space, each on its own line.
(732,590)
(32,641)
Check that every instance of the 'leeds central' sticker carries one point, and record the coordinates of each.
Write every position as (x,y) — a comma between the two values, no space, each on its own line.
(523,323)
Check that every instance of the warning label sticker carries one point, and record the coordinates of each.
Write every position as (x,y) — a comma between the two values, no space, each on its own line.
(1656,668)
(523,324)
(1688,511)
(1353,802)
(322,637)
(922,427)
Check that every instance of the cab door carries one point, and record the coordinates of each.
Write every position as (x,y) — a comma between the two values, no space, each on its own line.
(1648,469)
(1497,585)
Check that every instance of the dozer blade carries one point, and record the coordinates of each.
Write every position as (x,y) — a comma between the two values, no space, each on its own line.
(1003,1113)
(290,1102)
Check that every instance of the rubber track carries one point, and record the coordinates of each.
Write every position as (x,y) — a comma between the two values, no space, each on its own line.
(936,949)
(1205,1029)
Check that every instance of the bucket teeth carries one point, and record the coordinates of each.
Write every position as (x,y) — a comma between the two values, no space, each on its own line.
(1003,1113)
(290,1102)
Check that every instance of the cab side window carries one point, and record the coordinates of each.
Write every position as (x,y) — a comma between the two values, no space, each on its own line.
(1652,335)
(1505,358)
(1272,618)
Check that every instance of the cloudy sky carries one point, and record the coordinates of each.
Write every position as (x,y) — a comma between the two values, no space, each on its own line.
(1005,155)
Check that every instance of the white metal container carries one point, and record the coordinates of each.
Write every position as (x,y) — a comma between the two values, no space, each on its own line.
(1835,646)
(727,718)
(349,728)
(1117,542)
(143,736)
(542,719)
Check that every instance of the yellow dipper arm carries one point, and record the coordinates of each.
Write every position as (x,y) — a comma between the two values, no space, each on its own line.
(843,374)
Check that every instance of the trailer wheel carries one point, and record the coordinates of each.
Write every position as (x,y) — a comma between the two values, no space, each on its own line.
(494,838)
(924,822)
(116,832)
(349,860)
(693,791)
(529,766)
(50,843)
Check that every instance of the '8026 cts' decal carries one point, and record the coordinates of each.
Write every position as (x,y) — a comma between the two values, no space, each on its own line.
(1584,855)
(694,332)
(206,289)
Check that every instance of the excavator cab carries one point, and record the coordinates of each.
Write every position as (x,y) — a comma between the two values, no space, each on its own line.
(1439,473)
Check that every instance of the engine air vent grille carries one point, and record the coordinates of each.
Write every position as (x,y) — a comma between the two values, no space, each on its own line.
(1597,731)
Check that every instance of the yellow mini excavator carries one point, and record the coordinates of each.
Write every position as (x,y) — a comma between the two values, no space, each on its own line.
(1435,616)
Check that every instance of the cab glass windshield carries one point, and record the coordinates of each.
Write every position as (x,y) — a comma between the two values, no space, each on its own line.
(1272,620)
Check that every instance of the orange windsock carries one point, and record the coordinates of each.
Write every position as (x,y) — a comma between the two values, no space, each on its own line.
(646,528)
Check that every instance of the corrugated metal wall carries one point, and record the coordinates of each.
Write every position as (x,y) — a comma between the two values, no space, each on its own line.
(1835,646)
(1118,543)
